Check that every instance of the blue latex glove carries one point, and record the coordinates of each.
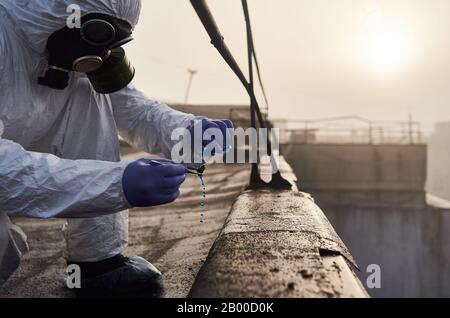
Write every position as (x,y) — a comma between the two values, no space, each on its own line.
(151,182)
(223,125)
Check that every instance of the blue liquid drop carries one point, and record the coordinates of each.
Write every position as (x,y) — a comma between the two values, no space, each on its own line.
(203,199)
(227,149)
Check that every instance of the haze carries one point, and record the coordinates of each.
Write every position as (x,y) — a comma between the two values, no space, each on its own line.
(320,58)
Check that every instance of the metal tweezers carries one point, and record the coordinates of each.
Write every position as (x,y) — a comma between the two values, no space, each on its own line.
(199,172)
(194,172)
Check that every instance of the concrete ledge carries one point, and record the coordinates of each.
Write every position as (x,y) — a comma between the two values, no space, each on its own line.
(277,244)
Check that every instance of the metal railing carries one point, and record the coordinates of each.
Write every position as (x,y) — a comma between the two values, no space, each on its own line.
(350,129)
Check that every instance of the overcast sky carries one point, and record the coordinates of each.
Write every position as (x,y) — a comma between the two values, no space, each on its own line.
(319,58)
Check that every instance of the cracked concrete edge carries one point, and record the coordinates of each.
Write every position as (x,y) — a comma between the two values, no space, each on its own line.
(277,244)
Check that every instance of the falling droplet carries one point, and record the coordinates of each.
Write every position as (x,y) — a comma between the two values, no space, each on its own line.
(203,199)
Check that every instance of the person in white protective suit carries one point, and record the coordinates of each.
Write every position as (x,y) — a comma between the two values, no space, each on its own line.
(64,98)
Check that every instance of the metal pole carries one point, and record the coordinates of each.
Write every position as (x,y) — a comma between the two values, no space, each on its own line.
(411,136)
(370,133)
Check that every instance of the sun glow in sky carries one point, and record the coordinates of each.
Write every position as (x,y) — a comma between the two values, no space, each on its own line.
(386,47)
(381,59)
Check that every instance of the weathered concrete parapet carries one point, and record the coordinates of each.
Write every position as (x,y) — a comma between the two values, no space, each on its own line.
(277,244)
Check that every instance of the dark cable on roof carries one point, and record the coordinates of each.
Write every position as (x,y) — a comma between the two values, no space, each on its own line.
(207,19)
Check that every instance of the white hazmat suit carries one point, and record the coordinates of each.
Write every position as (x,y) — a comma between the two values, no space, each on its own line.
(59,150)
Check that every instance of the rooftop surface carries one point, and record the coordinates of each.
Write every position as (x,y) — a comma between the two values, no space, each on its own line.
(171,237)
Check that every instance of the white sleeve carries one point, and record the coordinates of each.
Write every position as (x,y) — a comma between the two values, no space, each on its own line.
(147,124)
(44,186)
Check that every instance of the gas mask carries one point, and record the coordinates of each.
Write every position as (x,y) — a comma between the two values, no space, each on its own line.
(94,49)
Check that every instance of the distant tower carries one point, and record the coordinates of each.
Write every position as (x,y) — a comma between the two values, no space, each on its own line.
(410,129)
(192,74)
